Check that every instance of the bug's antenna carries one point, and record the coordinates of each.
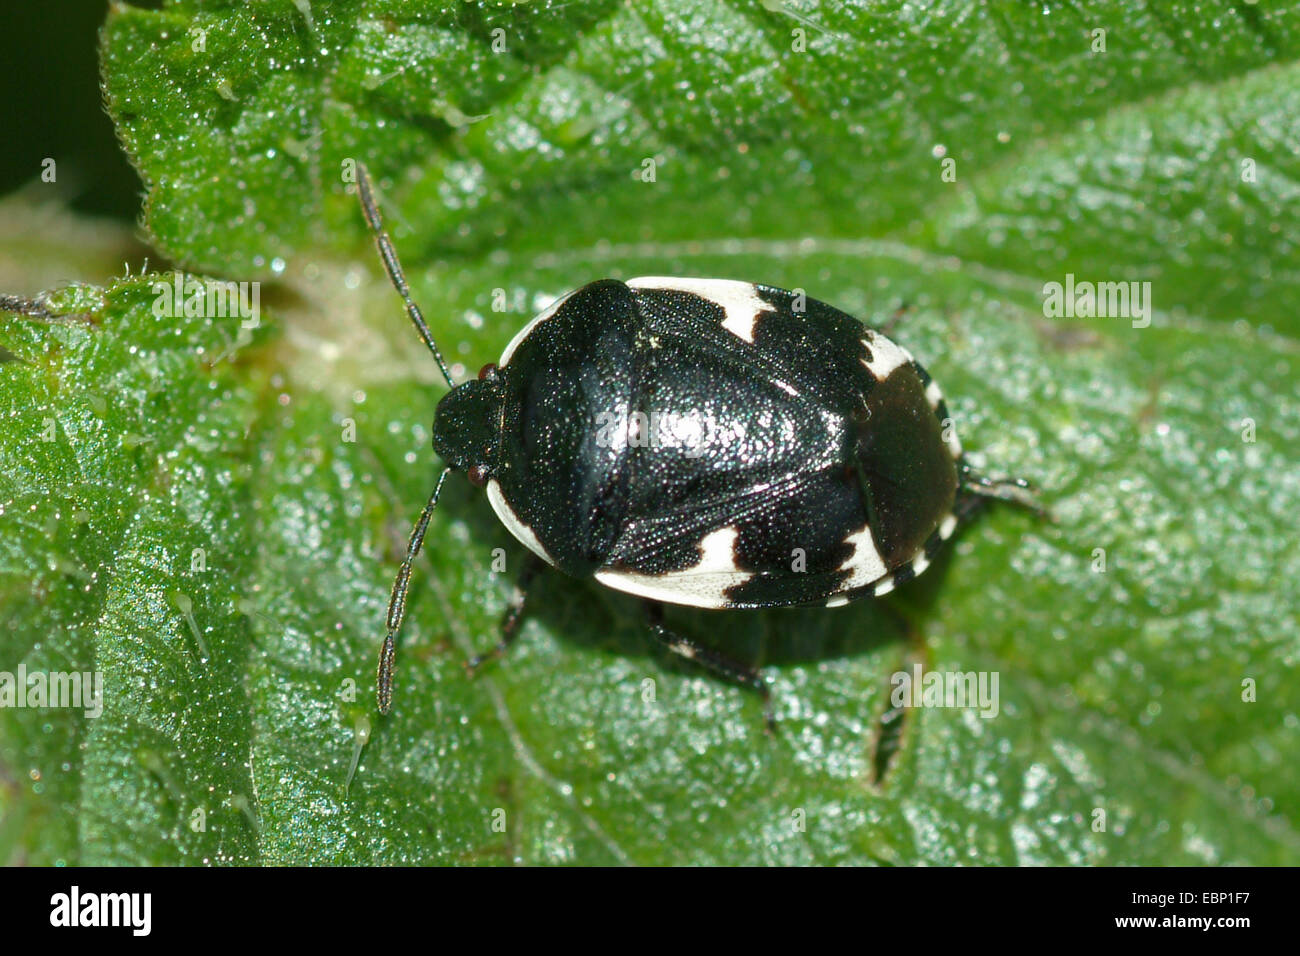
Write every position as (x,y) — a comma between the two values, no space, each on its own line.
(394,266)
(397,603)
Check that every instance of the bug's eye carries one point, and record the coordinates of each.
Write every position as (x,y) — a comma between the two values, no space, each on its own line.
(487,371)
(478,475)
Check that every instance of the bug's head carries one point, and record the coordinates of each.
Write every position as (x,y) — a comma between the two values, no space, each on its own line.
(467,425)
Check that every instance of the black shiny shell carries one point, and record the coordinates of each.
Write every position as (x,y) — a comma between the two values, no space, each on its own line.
(715,443)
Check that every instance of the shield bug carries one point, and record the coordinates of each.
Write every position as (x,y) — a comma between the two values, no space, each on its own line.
(700,442)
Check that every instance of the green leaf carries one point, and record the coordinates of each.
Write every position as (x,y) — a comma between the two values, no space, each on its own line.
(511,175)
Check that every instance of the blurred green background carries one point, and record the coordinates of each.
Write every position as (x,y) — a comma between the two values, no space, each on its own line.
(51,106)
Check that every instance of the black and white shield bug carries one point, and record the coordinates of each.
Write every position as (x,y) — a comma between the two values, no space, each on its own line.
(701,442)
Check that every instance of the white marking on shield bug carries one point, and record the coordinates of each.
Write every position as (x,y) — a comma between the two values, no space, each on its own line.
(739,301)
(954,443)
(523,333)
(703,585)
(511,520)
(884,585)
(865,563)
(933,395)
(885,355)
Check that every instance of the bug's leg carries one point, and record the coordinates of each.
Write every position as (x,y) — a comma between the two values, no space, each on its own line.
(37,310)
(397,602)
(895,319)
(18,305)
(513,617)
(1016,491)
(710,659)
(892,724)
